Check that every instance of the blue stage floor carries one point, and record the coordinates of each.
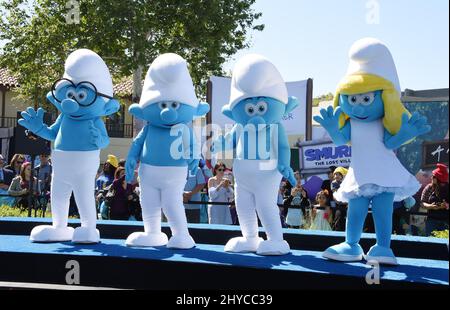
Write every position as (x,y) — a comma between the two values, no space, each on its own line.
(301,263)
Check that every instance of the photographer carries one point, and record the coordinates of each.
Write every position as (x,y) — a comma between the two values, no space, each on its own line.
(119,197)
(298,199)
(435,199)
(220,190)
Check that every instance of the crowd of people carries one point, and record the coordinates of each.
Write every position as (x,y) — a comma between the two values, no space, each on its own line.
(209,197)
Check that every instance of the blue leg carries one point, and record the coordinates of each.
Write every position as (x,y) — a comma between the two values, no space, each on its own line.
(382,208)
(350,250)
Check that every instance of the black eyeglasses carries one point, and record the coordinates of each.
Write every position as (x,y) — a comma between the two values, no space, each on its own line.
(78,96)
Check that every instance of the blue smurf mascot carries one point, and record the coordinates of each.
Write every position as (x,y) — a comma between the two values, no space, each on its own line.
(83,96)
(368,114)
(259,100)
(165,150)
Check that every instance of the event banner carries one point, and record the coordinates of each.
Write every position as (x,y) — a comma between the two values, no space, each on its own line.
(324,155)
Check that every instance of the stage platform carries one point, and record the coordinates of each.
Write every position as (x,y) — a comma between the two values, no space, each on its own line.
(111,264)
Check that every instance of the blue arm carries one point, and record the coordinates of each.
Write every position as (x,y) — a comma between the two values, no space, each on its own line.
(229,141)
(284,156)
(329,120)
(192,147)
(138,144)
(134,154)
(411,127)
(103,138)
(34,121)
(342,136)
(50,133)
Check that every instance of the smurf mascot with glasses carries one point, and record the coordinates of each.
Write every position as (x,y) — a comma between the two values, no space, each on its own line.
(259,100)
(368,114)
(83,96)
(165,150)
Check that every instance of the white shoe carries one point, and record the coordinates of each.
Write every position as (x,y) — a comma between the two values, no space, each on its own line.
(47,233)
(143,239)
(271,247)
(86,235)
(181,242)
(243,245)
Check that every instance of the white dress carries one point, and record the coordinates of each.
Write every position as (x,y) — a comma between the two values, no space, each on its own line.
(320,222)
(220,214)
(374,169)
(295,216)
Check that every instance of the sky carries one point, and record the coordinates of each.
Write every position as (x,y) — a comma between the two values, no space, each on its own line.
(311,38)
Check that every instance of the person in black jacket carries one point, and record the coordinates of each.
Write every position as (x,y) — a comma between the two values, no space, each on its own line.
(326,184)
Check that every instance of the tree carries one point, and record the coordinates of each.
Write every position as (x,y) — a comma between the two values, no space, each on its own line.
(319,99)
(128,34)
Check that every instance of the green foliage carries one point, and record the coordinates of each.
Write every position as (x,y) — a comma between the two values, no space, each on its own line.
(127,34)
(319,99)
(440,234)
(8,211)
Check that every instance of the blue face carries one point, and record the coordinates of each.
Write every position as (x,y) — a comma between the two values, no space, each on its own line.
(365,107)
(258,111)
(166,114)
(81,102)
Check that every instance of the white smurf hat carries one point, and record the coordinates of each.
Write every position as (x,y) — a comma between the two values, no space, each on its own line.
(168,79)
(372,56)
(255,76)
(84,65)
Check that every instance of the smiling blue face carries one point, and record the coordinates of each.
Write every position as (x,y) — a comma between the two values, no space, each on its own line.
(81,102)
(166,114)
(365,107)
(258,111)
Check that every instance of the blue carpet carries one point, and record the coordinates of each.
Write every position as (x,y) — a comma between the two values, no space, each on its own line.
(410,270)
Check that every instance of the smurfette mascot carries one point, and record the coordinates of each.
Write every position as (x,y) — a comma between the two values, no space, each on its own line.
(165,149)
(259,100)
(368,114)
(83,96)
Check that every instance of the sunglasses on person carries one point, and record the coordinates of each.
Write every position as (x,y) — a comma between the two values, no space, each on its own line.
(220,170)
(79,94)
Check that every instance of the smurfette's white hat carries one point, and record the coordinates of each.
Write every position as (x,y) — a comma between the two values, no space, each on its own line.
(168,79)
(84,65)
(255,76)
(371,56)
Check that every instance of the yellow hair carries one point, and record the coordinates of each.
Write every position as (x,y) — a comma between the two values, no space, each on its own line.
(341,170)
(364,83)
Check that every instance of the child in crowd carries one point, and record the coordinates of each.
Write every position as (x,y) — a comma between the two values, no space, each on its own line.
(338,176)
(321,214)
(299,199)
(339,208)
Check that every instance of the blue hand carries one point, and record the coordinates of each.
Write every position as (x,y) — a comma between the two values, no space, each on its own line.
(288,174)
(414,126)
(130,167)
(329,119)
(193,166)
(217,145)
(33,121)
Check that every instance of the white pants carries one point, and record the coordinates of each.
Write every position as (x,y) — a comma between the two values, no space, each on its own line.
(74,171)
(257,184)
(162,188)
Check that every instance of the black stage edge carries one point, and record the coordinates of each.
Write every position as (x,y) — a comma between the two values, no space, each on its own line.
(128,273)
(110,264)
